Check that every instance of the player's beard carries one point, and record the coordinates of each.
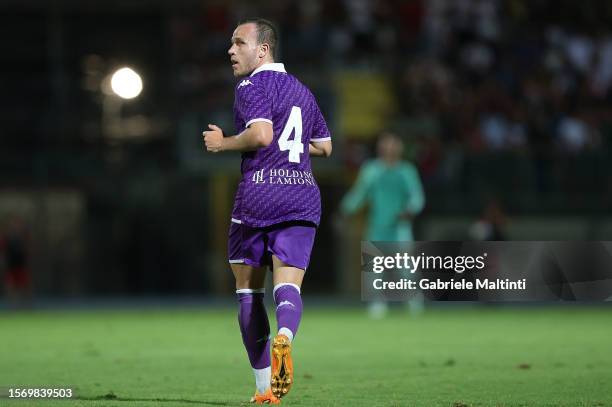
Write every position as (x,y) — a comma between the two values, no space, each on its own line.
(245,67)
(246,71)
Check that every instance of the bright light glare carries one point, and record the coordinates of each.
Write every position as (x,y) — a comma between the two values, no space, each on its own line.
(126,83)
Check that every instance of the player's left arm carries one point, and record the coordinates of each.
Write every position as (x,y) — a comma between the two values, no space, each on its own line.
(254,106)
(257,135)
(416,197)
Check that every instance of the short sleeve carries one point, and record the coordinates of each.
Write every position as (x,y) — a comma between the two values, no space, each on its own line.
(320,132)
(252,103)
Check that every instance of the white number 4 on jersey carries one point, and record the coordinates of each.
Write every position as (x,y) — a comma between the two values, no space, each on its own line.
(294,146)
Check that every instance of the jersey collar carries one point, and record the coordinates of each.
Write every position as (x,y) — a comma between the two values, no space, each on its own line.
(270,66)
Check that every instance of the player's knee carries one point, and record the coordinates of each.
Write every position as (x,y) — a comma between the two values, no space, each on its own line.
(248,284)
(248,277)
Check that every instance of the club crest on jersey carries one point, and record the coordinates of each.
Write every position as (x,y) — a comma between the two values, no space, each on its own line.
(245,82)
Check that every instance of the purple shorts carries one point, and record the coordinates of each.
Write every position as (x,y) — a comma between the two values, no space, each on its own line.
(291,242)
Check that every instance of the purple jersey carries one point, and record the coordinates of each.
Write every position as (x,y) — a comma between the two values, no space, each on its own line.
(277,183)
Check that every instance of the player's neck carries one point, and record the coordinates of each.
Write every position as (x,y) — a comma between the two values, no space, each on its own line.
(262,63)
(390,162)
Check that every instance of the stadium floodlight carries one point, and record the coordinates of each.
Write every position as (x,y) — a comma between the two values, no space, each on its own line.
(126,83)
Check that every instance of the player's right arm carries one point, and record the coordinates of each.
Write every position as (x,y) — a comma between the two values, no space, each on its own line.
(320,144)
(360,192)
(320,149)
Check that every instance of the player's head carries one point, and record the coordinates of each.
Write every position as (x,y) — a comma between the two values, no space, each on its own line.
(389,147)
(253,44)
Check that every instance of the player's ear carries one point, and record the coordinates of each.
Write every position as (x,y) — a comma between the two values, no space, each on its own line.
(263,50)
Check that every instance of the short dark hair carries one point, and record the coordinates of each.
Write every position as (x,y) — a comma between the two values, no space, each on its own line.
(266,32)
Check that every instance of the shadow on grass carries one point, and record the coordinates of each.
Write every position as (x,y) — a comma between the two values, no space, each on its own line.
(113,397)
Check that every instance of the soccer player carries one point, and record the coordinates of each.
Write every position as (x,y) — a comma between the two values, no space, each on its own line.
(394,192)
(278,204)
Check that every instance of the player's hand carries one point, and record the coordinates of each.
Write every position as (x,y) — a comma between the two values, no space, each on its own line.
(213,138)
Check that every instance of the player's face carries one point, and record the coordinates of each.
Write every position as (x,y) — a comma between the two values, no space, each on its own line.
(390,149)
(244,52)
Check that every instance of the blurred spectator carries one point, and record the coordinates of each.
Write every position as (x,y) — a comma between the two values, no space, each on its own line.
(575,134)
(491,225)
(15,247)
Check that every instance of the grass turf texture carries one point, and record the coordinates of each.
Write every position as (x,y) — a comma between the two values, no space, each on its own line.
(446,357)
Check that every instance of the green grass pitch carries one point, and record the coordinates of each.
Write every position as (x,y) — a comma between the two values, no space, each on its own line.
(446,357)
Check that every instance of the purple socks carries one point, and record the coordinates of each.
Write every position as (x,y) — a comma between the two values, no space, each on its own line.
(288,308)
(254,327)
(254,324)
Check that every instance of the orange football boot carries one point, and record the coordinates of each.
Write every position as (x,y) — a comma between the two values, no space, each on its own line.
(282,366)
(266,398)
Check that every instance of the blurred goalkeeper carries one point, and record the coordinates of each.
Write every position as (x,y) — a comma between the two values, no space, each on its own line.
(393,192)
